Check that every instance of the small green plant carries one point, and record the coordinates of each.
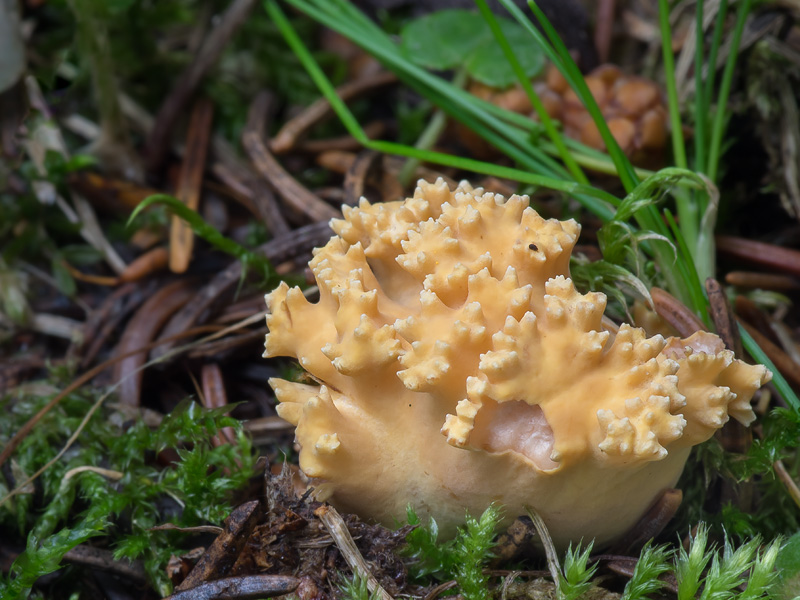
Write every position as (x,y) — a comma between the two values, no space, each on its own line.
(652,563)
(122,501)
(462,558)
(356,589)
(576,575)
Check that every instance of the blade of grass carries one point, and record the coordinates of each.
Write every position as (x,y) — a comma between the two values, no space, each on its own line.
(700,106)
(697,298)
(780,383)
(525,82)
(589,193)
(625,169)
(678,147)
(348,21)
(207,232)
(718,127)
(711,65)
(458,103)
(648,218)
(463,103)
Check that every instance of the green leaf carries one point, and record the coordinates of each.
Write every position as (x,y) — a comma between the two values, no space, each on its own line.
(64,280)
(452,38)
(81,255)
(788,565)
(488,64)
(443,39)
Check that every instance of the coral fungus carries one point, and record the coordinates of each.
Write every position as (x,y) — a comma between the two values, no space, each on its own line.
(457,366)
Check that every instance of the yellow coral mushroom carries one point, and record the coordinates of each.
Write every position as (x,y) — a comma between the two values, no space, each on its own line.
(458,366)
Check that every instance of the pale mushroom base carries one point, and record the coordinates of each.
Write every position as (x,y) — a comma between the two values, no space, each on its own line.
(368,474)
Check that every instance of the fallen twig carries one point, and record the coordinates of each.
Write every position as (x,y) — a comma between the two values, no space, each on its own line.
(764,281)
(768,255)
(190,183)
(140,330)
(102,559)
(229,22)
(294,129)
(225,549)
(242,588)
(674,312)
(344,541)
(294,194)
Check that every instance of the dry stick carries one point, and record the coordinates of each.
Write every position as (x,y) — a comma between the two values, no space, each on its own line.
(750,312)
(158,140)
(294,129)
(355,180)
(216,348)
(104,280)
(604,28)
(214,396)
(338,161)
(269,209)
(237,178)
(17,438)
(439,589)
(549,548)
(190,184)
(788,482)
(724,322)
(674,312)
(115,303)
(265,202)
(768,255)
(227,546)
(734,436)
(103,560)
(213,529)
(141,329)
(651,523)
(294,193)
(344,541)
(145,264)
(241,588)
(224,282)
(765,281)
(373,129)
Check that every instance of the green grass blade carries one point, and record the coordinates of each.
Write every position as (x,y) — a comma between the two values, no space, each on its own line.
(720,116)
(626,172)
(525,82)
(319,78)
(599,201)
(207,232)
(700,104)
(678,146)
(780,383)
(690,282)
(604,211)
(716,42)
(459,103)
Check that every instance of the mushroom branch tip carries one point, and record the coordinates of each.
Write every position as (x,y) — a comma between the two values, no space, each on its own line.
(458,366)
